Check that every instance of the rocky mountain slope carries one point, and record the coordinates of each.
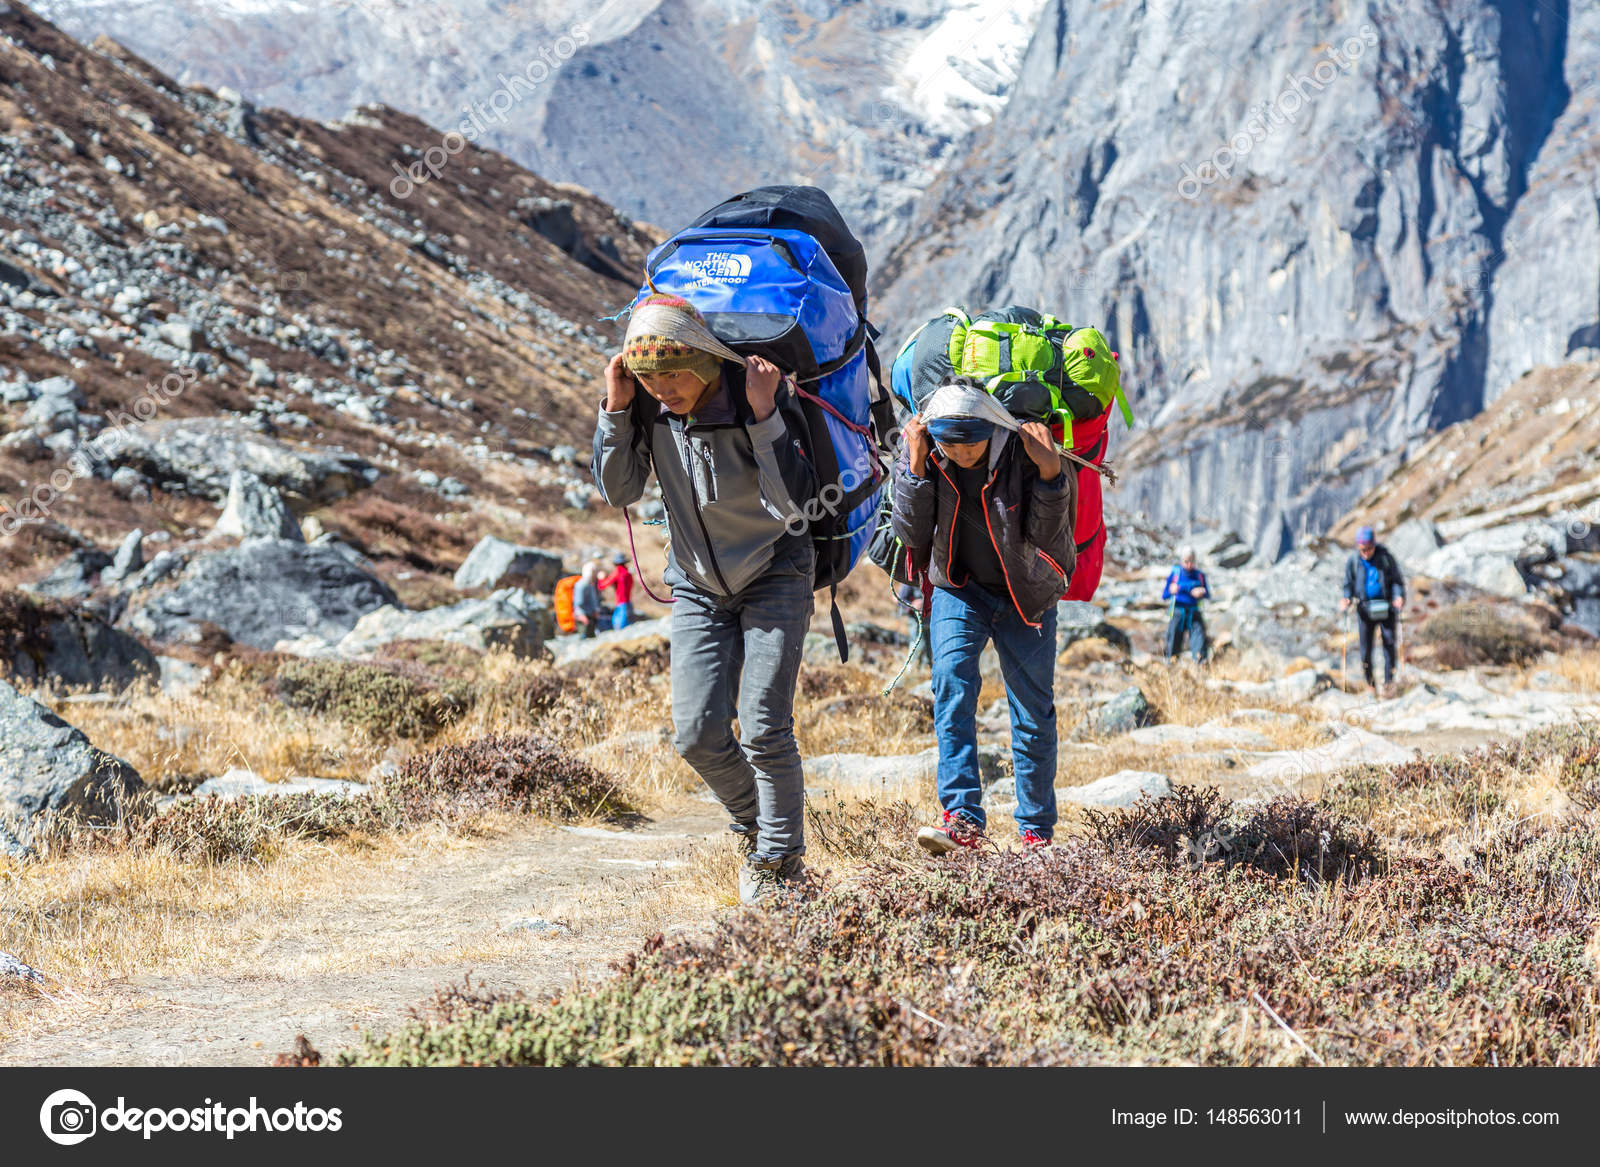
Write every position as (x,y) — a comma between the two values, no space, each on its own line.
(1316,232)
(192,287)
(661,106)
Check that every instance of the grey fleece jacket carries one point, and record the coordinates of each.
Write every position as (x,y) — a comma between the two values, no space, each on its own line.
(735,491)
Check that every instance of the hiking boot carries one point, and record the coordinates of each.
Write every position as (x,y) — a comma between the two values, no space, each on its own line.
(746,839)
(763,881)
(957,831)
(1033,841)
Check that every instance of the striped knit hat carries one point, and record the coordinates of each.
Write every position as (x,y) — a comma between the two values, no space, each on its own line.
(667,334)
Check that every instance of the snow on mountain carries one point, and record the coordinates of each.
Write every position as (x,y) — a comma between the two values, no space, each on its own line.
(661,106)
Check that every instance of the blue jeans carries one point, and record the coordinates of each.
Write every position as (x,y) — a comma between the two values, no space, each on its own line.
(622,615)
(963,622)
(1187,624)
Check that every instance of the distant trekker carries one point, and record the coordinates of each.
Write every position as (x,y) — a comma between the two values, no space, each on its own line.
(1186,586)
(1373,583)
(620,578)
(586,600)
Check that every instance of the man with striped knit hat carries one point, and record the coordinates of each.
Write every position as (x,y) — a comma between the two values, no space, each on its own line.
(716,430)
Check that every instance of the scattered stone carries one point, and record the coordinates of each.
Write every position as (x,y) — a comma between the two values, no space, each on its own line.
(1197,735)
(129,558)
(264,591)
(130,484)
(199,456)
(54,646)
(508,619)
(643,633)
(179,678)
(1412,541)
(255,510)
(1079,620)
(867,632)
(1124,788)
(180,333)
(1350,746)
(74,577)
(164,565)
(238,783)
(12,969)
(538,925)
(494,563)
(48,768)
(1128,710)
(868,772)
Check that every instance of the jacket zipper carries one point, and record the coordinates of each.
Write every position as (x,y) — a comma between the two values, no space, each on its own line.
(955,520)
(699,518)
(984,495)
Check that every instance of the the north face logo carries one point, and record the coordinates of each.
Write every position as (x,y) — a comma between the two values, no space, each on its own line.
(722,266)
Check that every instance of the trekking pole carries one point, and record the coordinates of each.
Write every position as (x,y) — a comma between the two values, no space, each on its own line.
(1344,656)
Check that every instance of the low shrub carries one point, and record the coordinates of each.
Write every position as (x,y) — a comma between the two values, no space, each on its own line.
(520,773)
(383,701)
(1289,836)
(515,774)
(1476,634)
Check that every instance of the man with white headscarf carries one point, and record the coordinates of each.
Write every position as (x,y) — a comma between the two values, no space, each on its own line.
(987,501)
(715,428)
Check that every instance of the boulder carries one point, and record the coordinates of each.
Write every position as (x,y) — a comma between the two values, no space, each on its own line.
(1078,620)
(1226,549)
(128,560)
(868,632)
(1197,735)
(1128,710)
(567,649)
(49,644)
(1124,788)
(255,510)
(245,783)
(1496,574)
(74,577)
(495,562)
(509,619)
(1348,747)
(264,591)
(868,773)
(1412,542)
(48,768)
(199,456)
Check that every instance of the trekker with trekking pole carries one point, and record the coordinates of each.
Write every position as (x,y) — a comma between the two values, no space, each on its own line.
(714,428)
(1374,587)
(1186,586)
(986,499)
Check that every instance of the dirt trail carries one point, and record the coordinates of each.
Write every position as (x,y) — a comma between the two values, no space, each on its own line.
(436,917)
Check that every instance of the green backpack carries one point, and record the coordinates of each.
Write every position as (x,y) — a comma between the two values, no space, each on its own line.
(1036,366)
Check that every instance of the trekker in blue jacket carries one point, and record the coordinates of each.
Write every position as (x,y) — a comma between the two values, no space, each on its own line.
(1186,586)
(1374,585)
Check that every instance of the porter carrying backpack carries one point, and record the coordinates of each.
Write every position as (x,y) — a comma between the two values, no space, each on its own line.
(777,273)
(1040,369)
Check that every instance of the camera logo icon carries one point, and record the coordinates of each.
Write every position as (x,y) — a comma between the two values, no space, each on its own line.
(67,1117)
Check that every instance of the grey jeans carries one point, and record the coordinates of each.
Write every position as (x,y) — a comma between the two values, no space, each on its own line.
(740,656)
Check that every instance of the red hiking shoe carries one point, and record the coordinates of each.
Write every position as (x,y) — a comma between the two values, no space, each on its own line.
(956,832)
(1031,841)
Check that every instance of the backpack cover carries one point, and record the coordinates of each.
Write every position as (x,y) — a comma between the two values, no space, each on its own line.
(1040,369)
(563,606)
(764,270)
